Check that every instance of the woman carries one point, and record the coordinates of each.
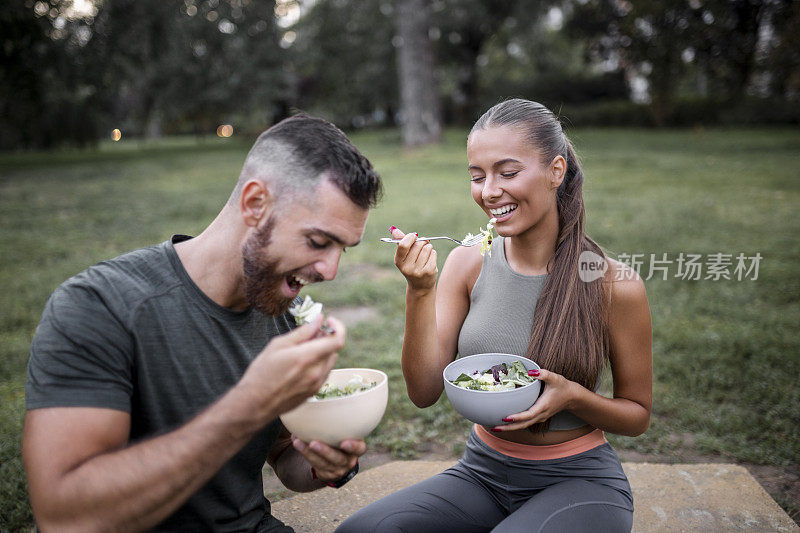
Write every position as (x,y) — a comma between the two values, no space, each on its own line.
(549,468)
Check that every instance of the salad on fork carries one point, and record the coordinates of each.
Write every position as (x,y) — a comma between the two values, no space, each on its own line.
(484,238)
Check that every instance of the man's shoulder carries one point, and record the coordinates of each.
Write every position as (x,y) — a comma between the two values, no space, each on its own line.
(82,353)
(123,282)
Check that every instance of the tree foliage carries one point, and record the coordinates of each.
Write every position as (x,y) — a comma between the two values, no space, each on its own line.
(180,66)
(188,62)
(716,42)
(343,62)
(140,65)
(47,92)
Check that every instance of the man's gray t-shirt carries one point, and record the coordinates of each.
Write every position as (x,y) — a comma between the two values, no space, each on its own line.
(136,334)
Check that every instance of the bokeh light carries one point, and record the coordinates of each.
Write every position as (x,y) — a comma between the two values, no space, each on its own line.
(288,38)
(116,135)
(225,130)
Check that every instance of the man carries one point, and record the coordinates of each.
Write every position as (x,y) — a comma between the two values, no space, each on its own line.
(156,379)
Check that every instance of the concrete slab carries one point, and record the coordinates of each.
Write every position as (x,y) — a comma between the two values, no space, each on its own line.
(702,497)
(669,498)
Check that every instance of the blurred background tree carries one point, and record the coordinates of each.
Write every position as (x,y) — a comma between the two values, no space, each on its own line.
(713,52)
(344,62)
(46,87)
(73,70)
(188,66)
(419,98)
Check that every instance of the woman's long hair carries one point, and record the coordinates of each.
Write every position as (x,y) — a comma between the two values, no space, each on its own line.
(569,334)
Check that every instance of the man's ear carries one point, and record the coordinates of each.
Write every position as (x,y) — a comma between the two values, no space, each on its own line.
(256,202)
(558,169)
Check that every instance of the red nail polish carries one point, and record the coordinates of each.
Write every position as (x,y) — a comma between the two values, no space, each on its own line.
(392,229)
(533,372)
(508,420)
(497,430)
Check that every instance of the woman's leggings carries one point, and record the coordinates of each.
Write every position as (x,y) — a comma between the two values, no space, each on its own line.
(489,491)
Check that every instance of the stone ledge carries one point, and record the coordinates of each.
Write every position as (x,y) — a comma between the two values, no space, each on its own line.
(679,498)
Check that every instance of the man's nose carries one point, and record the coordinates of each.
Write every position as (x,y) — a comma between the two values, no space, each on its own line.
(328,266)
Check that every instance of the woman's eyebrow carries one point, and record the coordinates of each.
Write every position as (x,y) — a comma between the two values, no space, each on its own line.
(504,161)
(496,164)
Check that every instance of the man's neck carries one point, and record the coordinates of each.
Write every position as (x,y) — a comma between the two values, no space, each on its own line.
(213,260)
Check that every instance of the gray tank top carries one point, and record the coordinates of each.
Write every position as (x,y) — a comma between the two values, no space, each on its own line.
(500,316)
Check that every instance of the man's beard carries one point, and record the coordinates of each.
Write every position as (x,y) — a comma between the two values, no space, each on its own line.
(262,281)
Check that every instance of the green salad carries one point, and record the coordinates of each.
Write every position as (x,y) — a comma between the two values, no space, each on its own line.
(498,378)
(355,384)
(306,311)
(486,237)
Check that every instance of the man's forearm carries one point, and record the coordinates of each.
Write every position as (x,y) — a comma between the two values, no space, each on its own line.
(138,486)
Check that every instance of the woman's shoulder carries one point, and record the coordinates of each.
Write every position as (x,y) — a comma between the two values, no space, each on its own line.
(625,284)
(463,264)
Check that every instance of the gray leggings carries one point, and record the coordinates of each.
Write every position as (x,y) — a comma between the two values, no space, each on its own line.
(489,491)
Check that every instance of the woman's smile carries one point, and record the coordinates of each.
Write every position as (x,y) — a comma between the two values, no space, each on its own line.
(502,212)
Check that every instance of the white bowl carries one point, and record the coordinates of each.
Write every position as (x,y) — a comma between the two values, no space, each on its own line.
(335,419)
(488,408)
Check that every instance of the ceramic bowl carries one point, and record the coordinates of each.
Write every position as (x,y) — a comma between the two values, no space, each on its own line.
(335,419)
(488,408)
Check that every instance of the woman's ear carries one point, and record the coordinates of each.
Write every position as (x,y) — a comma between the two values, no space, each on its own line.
(557,171)
(255,202)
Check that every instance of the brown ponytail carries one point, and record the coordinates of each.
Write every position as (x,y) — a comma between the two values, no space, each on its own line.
(569,335)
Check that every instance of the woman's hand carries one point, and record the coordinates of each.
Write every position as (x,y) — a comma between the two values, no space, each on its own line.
(557,396)
(415,260)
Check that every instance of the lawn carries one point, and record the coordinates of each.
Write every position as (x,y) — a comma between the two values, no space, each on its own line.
(725,351)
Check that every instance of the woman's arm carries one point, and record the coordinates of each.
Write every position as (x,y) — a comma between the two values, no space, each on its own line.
(631,359)
(434,313)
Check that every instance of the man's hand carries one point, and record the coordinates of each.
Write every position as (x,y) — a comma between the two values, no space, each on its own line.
(329,463)
(291,368)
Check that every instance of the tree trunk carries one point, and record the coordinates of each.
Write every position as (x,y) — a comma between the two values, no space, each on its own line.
(468,79)
(153,129)
(419,98)
(744,39)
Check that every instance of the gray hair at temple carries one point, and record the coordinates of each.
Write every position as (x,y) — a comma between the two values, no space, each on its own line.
(296,153)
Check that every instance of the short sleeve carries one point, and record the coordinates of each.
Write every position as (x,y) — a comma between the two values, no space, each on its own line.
(81,354)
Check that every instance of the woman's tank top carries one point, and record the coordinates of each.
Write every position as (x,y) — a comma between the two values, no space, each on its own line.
(500,316)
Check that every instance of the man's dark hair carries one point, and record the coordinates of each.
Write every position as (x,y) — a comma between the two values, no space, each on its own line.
(298,151)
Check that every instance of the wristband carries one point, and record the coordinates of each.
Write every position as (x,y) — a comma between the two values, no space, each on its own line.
(342,480)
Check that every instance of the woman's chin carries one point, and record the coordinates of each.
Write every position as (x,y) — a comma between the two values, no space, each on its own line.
(506,231)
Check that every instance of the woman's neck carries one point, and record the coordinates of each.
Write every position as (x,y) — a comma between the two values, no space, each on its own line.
(530,252)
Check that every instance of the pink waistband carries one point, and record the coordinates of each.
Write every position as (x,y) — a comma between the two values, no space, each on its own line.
(541,453)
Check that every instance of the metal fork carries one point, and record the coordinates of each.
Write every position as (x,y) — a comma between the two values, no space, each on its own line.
(472,241)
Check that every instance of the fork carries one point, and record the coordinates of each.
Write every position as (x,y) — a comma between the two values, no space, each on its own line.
(472,241)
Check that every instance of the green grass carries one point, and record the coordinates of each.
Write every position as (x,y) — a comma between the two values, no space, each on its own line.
(725,352)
